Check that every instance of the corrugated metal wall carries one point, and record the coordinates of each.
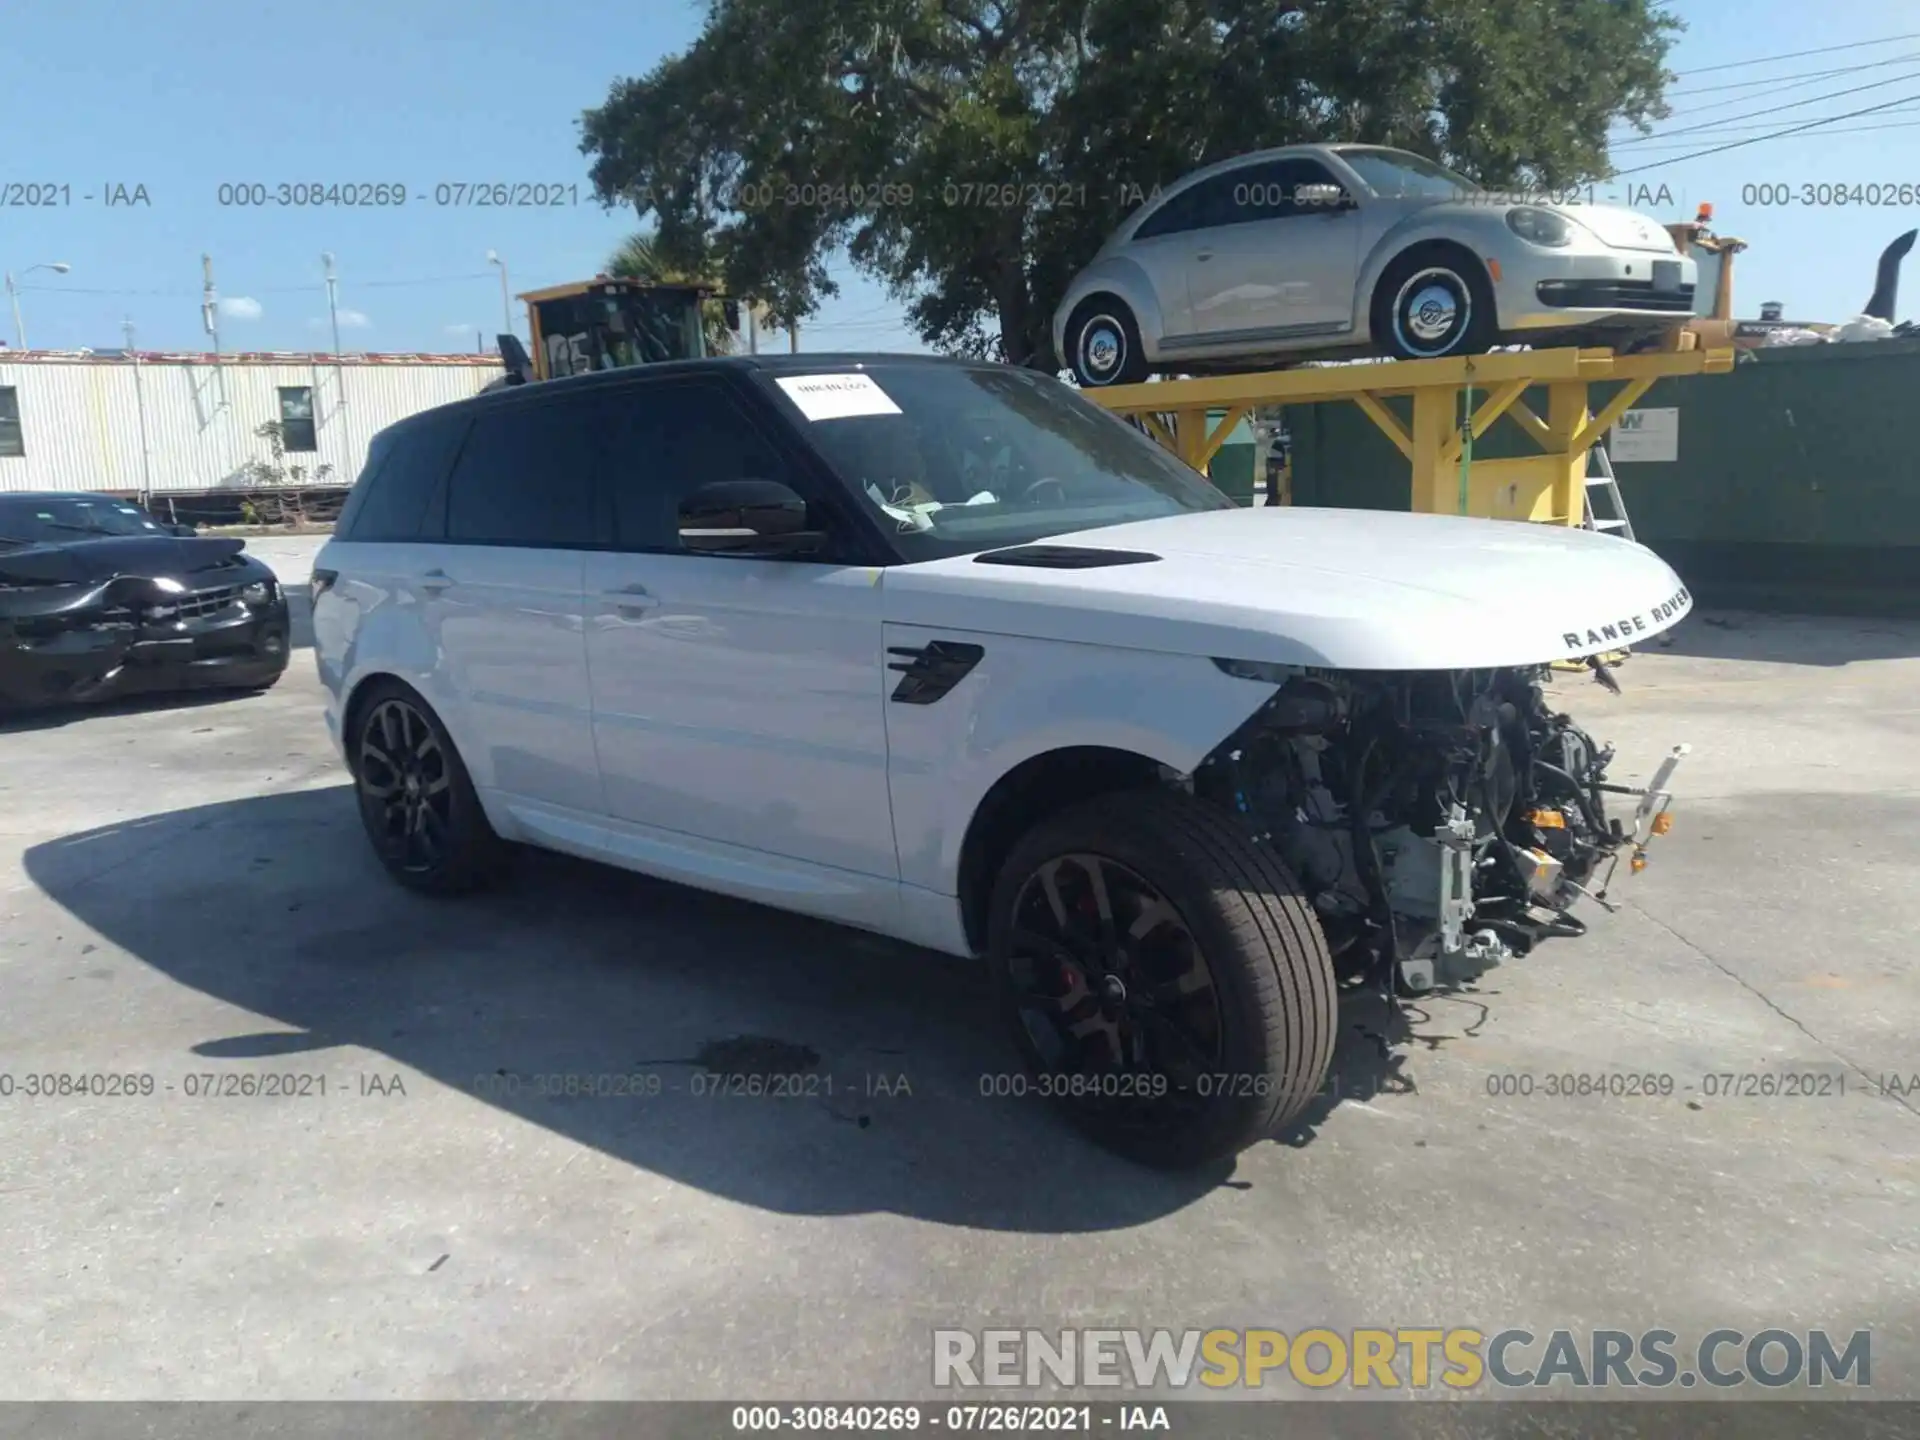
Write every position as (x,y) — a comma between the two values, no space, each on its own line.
(80,421)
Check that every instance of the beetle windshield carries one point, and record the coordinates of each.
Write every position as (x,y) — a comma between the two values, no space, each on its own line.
(961,458)
(1402,175)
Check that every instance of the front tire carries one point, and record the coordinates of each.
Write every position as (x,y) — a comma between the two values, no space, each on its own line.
(1163,977)
(1434,302)
(1103,344)
(416,798)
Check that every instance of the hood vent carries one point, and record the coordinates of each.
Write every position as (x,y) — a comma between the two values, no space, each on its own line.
(1064,557)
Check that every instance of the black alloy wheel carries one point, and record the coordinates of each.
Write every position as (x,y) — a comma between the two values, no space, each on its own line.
(1110,987)
(416,800)
(1163,978)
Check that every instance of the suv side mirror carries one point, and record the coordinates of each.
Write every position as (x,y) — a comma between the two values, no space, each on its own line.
(747,517)
(183,529)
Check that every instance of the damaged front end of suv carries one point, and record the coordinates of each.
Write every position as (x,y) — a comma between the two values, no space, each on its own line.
(1440,821)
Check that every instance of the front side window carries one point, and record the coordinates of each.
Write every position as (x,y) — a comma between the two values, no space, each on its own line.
(667,439)
(12,441)
(954,459)
(1271,190)
(296,418)
(525,477)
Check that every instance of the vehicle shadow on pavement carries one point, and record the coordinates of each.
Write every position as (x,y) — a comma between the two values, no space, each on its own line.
(890,1068)
(54,716)
(1748,635)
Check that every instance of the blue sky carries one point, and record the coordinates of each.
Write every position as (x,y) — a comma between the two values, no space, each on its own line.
(183,97)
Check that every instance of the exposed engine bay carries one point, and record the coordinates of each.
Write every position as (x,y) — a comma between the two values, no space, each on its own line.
(1440,821)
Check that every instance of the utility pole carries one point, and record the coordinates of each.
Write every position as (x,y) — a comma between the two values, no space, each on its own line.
(339,375)
(753,331)
(506,301)
(793,338)
(140,405)
(209,303)
(333,301)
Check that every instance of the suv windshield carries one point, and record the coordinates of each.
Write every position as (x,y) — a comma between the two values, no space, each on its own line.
(39,520)
(961,458)
(1402,175)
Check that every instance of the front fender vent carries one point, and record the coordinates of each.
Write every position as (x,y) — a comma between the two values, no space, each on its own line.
(1064,557)
(929,671)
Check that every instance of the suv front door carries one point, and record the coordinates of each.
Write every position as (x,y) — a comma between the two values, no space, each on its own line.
(1271,264)
(735,699)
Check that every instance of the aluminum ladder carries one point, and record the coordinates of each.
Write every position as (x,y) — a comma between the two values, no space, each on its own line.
(1600,477)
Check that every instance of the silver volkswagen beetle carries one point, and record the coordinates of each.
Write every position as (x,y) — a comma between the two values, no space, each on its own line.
(1331,251)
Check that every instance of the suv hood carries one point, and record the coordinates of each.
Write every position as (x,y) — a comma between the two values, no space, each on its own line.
(1341,589)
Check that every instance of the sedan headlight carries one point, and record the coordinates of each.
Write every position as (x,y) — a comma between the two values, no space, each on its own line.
(1540,227)
(258,593)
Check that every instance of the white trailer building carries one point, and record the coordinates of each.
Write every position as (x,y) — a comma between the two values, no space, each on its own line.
(178,426)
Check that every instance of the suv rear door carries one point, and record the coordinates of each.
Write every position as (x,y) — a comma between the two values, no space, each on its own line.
(502,598)
(735,699)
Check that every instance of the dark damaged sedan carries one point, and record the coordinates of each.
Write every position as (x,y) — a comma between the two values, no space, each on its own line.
(99,600)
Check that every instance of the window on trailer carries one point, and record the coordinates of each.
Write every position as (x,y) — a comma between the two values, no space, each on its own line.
(296,418)
(12,441)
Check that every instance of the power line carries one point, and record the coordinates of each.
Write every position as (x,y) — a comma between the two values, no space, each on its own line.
(1797,76)
(1773,109)
(1749,128)
(1775,135)
(1848,130)
(1716,129)
(1797,54)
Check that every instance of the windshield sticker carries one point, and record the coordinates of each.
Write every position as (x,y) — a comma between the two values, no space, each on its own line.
(837,397)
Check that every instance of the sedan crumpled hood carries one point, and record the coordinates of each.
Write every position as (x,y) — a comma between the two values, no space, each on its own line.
(1342,589)
(174,557)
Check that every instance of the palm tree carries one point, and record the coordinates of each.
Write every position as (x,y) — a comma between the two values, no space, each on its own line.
(639,258)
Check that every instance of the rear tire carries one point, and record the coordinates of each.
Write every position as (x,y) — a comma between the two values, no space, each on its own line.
(1432,302)
(1182,1005)
(416,798)
(1103,344)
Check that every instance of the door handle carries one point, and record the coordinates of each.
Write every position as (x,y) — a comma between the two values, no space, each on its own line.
(630,599)
(1204,255)
(435,581)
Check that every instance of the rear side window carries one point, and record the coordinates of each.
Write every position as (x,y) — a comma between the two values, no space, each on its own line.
(1195,208)
(390,501)
(526,476)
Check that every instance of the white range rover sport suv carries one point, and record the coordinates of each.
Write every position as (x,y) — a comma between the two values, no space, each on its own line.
(942,650)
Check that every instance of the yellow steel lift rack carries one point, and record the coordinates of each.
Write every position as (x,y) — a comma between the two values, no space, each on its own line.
(1549,487)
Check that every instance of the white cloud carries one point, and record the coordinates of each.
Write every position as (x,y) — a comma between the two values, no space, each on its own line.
(241,307)
(354,320)
(463,331)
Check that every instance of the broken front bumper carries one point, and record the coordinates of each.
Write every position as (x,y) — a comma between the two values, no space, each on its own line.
(1460,949)
(84,656)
